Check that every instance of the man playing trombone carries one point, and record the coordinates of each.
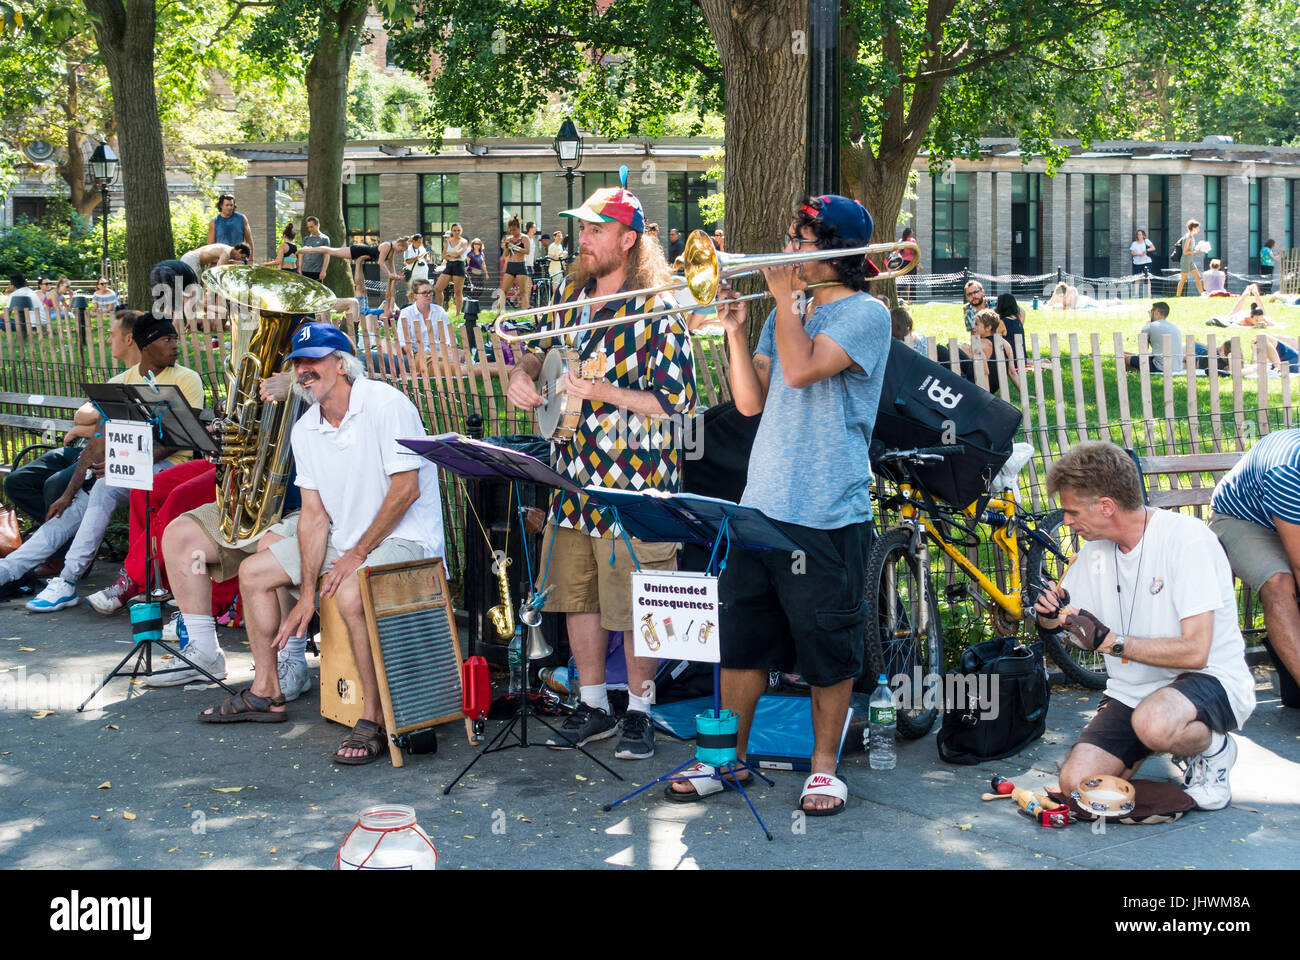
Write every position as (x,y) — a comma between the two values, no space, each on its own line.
(816,379)
(637,379)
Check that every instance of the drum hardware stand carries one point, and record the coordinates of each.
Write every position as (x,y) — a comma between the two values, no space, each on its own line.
(530,616)
(146,616)
(672,518)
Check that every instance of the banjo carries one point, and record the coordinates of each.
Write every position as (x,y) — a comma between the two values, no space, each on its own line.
(560,413)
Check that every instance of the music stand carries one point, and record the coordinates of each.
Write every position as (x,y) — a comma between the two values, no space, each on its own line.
(654,516)
(175,425)
(477,460)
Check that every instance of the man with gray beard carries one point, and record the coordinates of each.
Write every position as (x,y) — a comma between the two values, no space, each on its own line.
(366,500)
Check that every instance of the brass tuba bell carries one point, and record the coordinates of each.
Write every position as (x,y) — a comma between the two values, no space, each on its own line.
(253,466)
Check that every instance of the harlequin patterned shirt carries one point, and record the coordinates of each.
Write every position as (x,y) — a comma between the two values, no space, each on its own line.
(611,447)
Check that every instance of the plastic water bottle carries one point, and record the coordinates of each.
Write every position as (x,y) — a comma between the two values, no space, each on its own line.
(1035,303)
(556,679)
(515,656)
(881,712)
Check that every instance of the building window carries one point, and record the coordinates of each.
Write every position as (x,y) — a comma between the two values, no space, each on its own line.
(685,190)
(1158,217)
(31,209)
(951,219)
(1290,214)
(521,195)
(1210,228)
(1254,241)
(439,203)
(594,180)
(1096,225)
(1026,223)
(361,209)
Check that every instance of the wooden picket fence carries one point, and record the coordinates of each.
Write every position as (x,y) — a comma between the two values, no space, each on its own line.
(1071,390)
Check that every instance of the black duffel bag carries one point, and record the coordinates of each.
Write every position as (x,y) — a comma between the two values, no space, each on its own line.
(997,705)
(925,404)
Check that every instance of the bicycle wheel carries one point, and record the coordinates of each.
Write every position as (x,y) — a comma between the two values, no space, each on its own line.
(894,644)
(1080,666)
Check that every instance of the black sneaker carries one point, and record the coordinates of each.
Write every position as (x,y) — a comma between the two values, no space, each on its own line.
(638,740)
(583,726)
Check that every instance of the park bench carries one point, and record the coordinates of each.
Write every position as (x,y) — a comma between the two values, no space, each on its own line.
(1178,482)
(48,416)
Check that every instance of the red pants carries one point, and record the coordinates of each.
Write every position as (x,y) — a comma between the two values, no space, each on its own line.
(175,491)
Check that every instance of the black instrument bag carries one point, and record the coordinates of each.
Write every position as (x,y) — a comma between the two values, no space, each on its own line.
(925,404)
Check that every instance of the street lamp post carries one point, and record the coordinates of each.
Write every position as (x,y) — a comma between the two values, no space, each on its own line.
(104,166)
(568,152)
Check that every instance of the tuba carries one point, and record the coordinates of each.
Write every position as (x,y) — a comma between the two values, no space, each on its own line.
(265,306)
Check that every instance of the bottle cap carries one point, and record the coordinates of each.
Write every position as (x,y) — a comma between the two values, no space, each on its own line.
(882,680)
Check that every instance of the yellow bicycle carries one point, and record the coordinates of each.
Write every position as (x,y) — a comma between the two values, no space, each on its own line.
(905,634)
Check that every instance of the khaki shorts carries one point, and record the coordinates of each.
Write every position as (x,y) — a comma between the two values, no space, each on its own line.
(585,582)
(1255,552)
(286,553)
(230,556)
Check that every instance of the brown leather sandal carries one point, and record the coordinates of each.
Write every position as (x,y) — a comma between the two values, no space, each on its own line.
(246,707)
(365,736)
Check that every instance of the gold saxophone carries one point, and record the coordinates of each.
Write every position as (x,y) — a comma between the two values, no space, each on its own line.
(265,306)
(503,615)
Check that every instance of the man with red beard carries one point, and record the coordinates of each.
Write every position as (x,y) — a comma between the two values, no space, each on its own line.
(637,378)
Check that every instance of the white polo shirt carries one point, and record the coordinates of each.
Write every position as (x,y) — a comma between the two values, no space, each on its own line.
(350,466)
(409,321)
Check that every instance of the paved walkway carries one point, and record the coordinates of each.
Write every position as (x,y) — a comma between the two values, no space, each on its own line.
(192,795)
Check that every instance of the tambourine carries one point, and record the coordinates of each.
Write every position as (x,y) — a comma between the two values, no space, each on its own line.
(1105,796)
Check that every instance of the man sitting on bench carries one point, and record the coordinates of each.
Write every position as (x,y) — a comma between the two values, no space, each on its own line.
(37,486)
(157,340)
(1256,516)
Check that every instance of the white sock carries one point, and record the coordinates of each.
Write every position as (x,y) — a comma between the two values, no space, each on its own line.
(296,649)
(203,633)
(639,704)
(1217,742)
(595,695)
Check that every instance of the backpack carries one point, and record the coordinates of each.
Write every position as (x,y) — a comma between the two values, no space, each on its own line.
(1177,253)
(1000,701)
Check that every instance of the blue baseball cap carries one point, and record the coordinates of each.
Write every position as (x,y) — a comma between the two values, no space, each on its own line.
(849,218)
(316,340)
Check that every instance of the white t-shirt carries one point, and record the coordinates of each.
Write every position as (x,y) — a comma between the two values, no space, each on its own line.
(531,256)
(409,321)
(349,466)
(1178,570)
(556,252)
(1138,251)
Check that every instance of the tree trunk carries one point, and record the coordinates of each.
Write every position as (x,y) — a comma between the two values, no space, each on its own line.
(765,82)
(878,186)
(84,199)
(327,105)
(125,34)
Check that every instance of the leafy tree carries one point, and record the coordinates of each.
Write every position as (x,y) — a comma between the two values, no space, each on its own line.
(325,34)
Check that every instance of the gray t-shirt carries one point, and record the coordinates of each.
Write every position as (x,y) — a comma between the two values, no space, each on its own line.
(311,262)
(1156,331)
(809,463)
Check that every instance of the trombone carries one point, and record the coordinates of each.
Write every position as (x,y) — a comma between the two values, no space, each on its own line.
(705,270)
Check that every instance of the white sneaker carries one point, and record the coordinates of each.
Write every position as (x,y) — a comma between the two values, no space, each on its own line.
(295,680)
(1206,776)
(215,665)
(58,594)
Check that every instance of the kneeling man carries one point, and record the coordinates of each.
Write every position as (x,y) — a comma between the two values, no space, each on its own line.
(1152,590)
(366,500)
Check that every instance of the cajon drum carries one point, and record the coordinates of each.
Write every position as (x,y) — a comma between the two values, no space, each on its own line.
(341,698)
(414,644)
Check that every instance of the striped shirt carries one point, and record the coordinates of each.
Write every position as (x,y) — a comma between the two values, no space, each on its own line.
(1265,483)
